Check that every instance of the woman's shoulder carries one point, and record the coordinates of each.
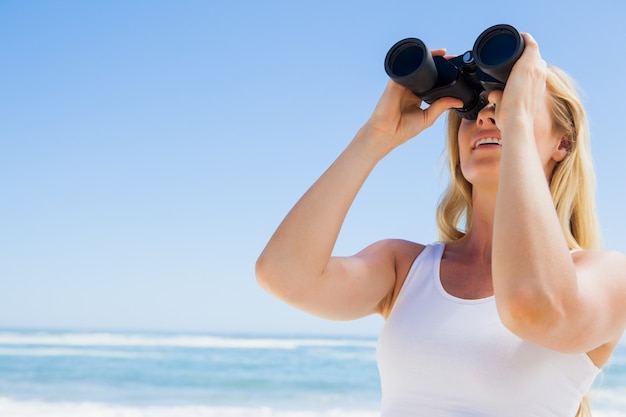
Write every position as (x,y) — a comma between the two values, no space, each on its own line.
(400,249)
(404,253)
(602,277)
(603,257)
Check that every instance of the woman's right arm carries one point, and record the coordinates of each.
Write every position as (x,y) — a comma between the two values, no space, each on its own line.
(297,265)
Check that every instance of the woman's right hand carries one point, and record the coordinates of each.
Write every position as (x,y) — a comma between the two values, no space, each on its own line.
(398,116)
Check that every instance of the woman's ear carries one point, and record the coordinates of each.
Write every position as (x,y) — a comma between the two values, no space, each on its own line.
(563,149)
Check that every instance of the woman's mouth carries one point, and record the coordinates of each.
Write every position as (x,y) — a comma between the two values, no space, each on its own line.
(487,141)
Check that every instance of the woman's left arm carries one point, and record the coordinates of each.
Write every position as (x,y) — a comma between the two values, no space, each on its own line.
(544,294)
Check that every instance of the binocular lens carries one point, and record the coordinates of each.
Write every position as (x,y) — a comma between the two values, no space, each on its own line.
(498,49)
(406,60)
(409,63)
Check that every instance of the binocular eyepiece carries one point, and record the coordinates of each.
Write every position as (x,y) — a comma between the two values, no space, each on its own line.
(486,67)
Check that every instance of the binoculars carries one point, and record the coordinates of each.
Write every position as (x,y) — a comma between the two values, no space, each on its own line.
(466,77)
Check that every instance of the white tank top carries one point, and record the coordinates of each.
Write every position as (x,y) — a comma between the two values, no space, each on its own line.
(443,356)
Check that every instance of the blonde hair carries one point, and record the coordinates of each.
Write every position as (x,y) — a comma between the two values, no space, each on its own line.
(572,183)
(573,180)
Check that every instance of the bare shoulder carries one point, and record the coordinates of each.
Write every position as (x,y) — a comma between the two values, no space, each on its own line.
(602,274)
(592,256)
(399,251)
(601,262)
(402,253)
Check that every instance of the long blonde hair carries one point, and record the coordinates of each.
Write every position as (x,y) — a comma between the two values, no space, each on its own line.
(572,184)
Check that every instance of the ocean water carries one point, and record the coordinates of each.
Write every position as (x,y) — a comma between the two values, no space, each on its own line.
(132,374)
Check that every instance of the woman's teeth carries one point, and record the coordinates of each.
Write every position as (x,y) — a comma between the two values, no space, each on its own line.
(488,141)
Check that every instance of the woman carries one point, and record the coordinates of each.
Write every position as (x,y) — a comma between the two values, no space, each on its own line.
(514,316)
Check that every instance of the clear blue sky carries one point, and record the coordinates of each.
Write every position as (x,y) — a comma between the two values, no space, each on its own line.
(148,149)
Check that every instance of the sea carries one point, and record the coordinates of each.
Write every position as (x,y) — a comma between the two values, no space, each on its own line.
(147,374)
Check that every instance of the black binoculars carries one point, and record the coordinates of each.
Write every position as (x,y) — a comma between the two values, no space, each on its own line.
(466,77)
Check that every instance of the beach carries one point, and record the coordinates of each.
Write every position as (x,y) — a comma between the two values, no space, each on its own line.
(148,374)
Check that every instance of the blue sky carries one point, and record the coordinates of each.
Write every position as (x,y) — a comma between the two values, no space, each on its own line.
(148,149)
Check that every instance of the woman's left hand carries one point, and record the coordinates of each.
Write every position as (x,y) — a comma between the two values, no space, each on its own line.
(524,92)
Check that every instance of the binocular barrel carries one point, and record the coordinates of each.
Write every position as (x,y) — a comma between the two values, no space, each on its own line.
(486,67)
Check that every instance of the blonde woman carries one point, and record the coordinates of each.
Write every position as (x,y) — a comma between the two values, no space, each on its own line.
(514,312)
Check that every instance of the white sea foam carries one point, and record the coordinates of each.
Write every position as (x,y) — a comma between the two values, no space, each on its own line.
(94,353)
(148,340)
(14,408)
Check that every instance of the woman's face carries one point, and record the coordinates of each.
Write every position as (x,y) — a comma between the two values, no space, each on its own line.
(480,145)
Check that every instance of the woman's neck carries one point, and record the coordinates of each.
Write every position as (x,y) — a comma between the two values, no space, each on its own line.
(478,241)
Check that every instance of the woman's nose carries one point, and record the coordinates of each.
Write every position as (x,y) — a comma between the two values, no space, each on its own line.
(487,115)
